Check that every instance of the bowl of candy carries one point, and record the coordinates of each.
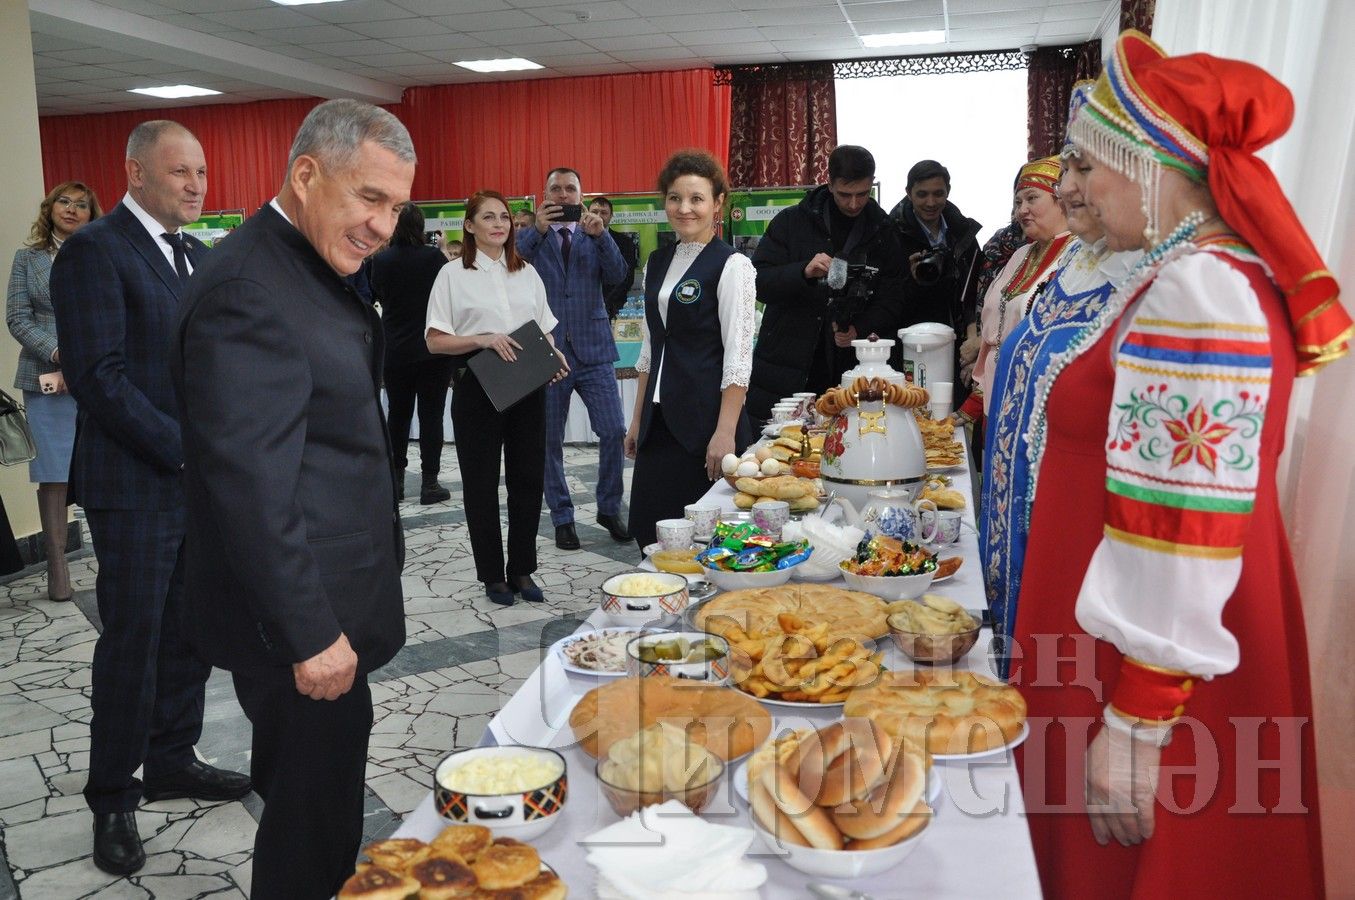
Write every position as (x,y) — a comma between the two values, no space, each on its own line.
(889,568)
(741,555)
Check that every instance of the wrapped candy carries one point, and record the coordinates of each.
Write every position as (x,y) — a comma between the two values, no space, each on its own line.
(742,547)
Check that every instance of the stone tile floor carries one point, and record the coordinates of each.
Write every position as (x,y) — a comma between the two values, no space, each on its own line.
(463,658)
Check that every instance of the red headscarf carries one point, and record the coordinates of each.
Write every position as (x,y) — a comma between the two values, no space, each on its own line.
(1233,109)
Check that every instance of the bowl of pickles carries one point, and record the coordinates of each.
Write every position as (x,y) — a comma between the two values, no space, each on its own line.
(692,655)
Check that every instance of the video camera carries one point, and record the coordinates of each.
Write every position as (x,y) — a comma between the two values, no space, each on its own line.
(852,285)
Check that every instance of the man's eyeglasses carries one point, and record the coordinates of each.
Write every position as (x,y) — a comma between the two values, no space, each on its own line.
(63,202)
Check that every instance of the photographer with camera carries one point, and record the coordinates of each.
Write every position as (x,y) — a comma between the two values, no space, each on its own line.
(942,247)
(829,270)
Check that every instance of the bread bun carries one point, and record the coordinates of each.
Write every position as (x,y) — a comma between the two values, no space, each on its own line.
(545,886)
(770,816)
(378,883)
(842,762)
(506,865)
(880,812)
(465,841)
(908,826)
(813,822)
(623,707)
(441,878)
(397,854)
(943,710)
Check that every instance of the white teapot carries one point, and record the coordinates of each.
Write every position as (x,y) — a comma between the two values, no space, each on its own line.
(894,512)
(872,444)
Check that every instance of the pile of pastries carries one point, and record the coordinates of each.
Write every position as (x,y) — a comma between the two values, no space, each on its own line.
(848,614)
(801,493)
(462,861)
(800,663)
(847,786)
(938,440)
(944,710)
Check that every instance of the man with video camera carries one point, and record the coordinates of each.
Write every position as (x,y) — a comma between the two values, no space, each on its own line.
(829,270)
(942,248)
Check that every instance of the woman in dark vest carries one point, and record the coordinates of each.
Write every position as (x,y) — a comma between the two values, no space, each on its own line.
(697,352)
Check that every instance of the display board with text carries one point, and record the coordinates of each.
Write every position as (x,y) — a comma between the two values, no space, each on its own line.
(212,226)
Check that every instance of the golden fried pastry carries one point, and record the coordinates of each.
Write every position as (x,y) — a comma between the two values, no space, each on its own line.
(545,886)
(848,613)
(442,878)
(942,710)
(377,883)
(466,841)
(504,865)
(623,707)
(397,854)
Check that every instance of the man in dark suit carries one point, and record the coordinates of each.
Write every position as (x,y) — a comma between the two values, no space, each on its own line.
(614,295)
(574,259)
(294,543)
(115,290)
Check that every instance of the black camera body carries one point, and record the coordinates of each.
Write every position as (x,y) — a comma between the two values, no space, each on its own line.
(932,267)
(845,303)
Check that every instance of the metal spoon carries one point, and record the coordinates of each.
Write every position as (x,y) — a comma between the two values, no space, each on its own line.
(834,892)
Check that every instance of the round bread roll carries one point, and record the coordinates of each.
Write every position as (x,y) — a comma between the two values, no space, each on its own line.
(842,762)
(465,841)
(908,826)
(726,722)
(397,854)
(441,878)
(377,883)
(813,822)
(880,812)
(943,710)
(848,613)
(770,816)
(504,865)
(545,886)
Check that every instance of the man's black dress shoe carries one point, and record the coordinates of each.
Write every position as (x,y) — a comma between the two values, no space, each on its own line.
(530,592)
(198,781)
(117,846)
(499,592)
(615,527)
(566,538)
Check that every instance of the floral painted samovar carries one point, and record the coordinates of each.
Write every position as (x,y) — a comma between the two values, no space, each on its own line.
(873,440)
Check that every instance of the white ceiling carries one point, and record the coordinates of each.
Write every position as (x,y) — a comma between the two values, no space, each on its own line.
(87,54)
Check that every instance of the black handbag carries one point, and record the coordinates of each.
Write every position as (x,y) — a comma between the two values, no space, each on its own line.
(16,440)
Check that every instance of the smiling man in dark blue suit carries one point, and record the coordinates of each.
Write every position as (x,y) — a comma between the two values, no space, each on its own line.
(116,290)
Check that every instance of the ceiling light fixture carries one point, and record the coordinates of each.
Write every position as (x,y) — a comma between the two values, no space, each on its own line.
(515,64)
(303,2)
(174,91)
(903,38)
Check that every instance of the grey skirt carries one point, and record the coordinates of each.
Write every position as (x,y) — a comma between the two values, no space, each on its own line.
(51,418)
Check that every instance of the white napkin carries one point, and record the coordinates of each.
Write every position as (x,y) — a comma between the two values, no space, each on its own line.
(666,852)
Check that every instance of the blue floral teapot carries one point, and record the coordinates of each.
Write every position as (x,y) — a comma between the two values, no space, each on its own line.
(893,511)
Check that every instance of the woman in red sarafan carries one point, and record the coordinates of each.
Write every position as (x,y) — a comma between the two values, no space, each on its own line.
(1159,634)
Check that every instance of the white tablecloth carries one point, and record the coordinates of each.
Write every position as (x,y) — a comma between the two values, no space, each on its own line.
(978,845)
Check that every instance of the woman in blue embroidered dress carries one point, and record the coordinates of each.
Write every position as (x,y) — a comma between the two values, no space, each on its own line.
(1079,293)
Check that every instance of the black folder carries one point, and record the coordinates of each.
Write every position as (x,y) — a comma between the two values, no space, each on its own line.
(506,383)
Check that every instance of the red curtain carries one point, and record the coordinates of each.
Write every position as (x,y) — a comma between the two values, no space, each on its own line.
(1137,14)
(617,130)
(1049,85)
(783,125)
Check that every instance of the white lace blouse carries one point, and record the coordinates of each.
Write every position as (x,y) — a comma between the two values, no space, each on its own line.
(737,295)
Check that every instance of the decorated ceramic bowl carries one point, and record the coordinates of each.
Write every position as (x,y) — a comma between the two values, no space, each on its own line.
(514,791)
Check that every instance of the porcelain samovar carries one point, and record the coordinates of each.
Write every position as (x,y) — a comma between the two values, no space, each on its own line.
(873,440)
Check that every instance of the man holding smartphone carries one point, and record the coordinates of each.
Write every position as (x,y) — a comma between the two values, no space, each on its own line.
(574,254)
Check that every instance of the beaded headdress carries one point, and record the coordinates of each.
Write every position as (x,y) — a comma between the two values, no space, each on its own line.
(1206,117)
(1042,174)
(1078,97)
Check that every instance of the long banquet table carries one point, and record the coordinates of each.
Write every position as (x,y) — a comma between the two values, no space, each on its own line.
(977,846)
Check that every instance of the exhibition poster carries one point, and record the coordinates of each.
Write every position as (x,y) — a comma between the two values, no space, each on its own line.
(211,227)
(447,217)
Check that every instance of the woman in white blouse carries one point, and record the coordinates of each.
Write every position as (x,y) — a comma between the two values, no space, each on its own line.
(697,352)
(475,305)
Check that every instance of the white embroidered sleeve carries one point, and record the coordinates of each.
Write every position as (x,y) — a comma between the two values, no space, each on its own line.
(1192,379)
(738,306)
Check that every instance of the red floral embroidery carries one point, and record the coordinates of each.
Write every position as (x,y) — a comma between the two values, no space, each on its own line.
(1196,437)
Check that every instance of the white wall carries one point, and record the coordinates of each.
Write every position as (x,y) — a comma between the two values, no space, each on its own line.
(974,124)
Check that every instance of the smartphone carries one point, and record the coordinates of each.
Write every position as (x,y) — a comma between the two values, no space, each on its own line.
(570,212)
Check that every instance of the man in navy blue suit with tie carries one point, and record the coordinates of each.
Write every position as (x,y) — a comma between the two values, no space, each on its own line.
(574,259)
(116,290)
